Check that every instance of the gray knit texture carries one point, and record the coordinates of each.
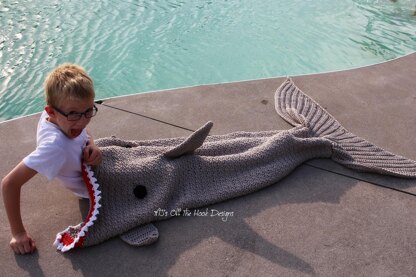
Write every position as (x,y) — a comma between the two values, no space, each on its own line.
(201,170)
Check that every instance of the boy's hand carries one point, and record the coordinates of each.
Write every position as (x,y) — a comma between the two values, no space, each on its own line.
(92,155)
(22,243)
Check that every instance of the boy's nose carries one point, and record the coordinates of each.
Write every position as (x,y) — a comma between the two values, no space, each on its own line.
(83,122)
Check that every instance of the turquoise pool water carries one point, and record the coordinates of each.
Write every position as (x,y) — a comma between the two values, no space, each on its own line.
(137,46)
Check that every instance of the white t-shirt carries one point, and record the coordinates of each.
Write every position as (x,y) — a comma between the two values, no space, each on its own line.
(57,156)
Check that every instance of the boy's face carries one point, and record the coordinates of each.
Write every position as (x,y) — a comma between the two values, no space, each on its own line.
(71,129)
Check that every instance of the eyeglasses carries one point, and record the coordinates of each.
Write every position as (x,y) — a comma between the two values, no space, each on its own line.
(74,116)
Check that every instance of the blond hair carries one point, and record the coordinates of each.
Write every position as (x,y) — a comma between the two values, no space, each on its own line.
(68,81)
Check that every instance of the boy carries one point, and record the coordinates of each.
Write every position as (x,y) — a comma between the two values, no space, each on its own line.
(62,144)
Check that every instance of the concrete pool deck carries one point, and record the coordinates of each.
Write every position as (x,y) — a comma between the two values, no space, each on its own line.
(321,220)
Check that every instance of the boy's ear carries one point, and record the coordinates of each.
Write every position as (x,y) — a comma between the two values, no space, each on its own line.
(49,110)
(51,114)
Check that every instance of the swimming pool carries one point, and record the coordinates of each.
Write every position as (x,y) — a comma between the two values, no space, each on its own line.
(137,46)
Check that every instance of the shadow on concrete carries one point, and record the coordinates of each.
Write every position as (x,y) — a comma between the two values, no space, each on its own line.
(180,234)
(403,185)
(30,264)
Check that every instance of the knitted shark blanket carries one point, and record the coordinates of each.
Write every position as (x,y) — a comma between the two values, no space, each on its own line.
(139,178)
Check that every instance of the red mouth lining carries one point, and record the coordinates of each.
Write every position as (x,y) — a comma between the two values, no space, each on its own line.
(74,236)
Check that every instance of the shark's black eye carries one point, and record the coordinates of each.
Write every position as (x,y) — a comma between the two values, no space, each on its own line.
(140,191)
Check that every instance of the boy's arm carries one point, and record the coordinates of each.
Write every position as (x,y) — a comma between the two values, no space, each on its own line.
(21,242)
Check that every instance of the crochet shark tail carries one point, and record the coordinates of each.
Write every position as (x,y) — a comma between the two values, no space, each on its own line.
(348,149)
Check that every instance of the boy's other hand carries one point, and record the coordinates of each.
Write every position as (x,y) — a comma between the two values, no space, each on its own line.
(92,155)
(22,243)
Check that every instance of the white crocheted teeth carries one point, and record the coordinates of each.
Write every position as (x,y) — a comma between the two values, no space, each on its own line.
(80,230)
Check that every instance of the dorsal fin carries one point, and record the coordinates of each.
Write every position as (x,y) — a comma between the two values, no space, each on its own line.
(191,143)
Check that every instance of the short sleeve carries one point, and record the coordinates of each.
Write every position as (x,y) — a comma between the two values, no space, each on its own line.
(47,159)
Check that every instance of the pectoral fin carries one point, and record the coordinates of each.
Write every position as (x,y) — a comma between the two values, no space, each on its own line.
(191,143)
(142,235)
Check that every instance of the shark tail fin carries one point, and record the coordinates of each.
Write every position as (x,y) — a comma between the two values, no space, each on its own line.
(347,149)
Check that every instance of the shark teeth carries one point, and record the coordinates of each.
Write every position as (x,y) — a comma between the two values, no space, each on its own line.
(73,236)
